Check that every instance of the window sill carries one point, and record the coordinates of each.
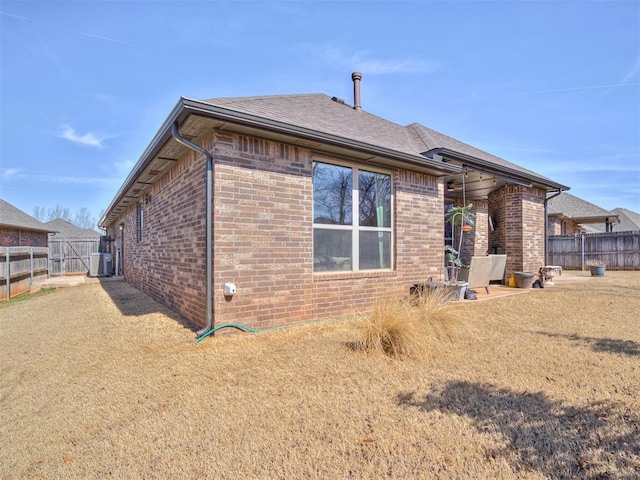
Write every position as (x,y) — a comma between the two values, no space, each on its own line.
(338,275)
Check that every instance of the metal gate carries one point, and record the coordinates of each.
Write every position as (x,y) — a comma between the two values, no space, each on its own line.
(71,256)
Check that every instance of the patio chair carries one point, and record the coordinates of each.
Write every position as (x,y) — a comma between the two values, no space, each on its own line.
(498,267)
(478,274)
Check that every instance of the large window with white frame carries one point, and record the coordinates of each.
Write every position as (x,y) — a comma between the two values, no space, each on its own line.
(352,218)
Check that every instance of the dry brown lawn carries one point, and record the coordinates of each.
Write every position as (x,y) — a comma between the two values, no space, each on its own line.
(101,382)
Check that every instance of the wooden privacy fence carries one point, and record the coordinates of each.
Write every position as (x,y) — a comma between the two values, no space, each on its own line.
(19,267)
(71,256)
(619,250)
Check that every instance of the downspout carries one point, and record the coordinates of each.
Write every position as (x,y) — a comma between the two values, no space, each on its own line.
(546,226)
(209,195)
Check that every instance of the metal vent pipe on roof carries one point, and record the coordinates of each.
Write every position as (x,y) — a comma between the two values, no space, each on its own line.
(356,77)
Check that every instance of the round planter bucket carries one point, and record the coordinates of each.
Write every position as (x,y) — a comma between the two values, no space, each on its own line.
(597,270)
(524,279)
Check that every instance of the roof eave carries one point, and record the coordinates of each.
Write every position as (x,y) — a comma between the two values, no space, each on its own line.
(449,155)
(160,138)
(597,219)
(186,106)
(250,120)
(27,228)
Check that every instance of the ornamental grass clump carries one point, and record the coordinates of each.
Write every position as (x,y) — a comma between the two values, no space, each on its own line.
(431,309)
(405,328)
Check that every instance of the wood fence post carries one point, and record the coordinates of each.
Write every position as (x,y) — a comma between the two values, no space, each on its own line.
(8,271)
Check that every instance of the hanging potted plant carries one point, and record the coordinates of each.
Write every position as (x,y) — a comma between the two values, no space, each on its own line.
(462,217)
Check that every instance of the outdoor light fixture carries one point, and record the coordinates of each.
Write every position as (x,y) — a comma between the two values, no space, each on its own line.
(121,226)
(453,187)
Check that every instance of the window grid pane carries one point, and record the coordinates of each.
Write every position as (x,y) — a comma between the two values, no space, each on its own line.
(332,194)
(342,241)
(375,199)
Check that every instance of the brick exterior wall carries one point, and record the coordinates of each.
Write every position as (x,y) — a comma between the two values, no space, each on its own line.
(497,211)
(14,237)
(263,238)
(476,242)
(520,217)
(533,220)
(554,226)
(559,226)
(169,261)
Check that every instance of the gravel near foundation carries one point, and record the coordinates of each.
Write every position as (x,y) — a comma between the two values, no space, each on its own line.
(100,381)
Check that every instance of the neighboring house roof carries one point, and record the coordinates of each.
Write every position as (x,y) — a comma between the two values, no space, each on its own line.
(629,220)
(316,121)
(65,229)
(579,210)
(11,216)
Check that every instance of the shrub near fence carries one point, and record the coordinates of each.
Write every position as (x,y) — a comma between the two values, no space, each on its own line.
(619,250)
(19,267)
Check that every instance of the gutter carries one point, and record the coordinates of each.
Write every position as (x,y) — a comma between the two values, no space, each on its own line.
(186,106)
(160,138)
(492,167)
(209,194)
(546,225)
(250,120)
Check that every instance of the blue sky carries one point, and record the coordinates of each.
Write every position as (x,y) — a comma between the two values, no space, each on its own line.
(553,86)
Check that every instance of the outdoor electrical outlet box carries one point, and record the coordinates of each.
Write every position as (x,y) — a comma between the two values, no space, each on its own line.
(229,288)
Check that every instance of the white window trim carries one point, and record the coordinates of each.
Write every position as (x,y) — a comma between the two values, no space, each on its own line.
(355,227)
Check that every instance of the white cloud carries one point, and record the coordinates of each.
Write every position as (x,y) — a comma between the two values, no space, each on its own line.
(365,62)
(74,180)
(553,90)
(88,139)
(9,172)
(101,37)
(124,167)
(631,73)
(77,32)
(17,174)
(625,160)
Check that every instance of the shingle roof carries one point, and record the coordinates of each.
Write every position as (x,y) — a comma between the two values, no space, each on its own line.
(571,206)
(629,220)
(11,216)
(318,112)
(432,140)
(321,113)
(335,126)
(66,229)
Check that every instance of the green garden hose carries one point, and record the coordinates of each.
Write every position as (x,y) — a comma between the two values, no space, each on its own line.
(227,325)
(244,328)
